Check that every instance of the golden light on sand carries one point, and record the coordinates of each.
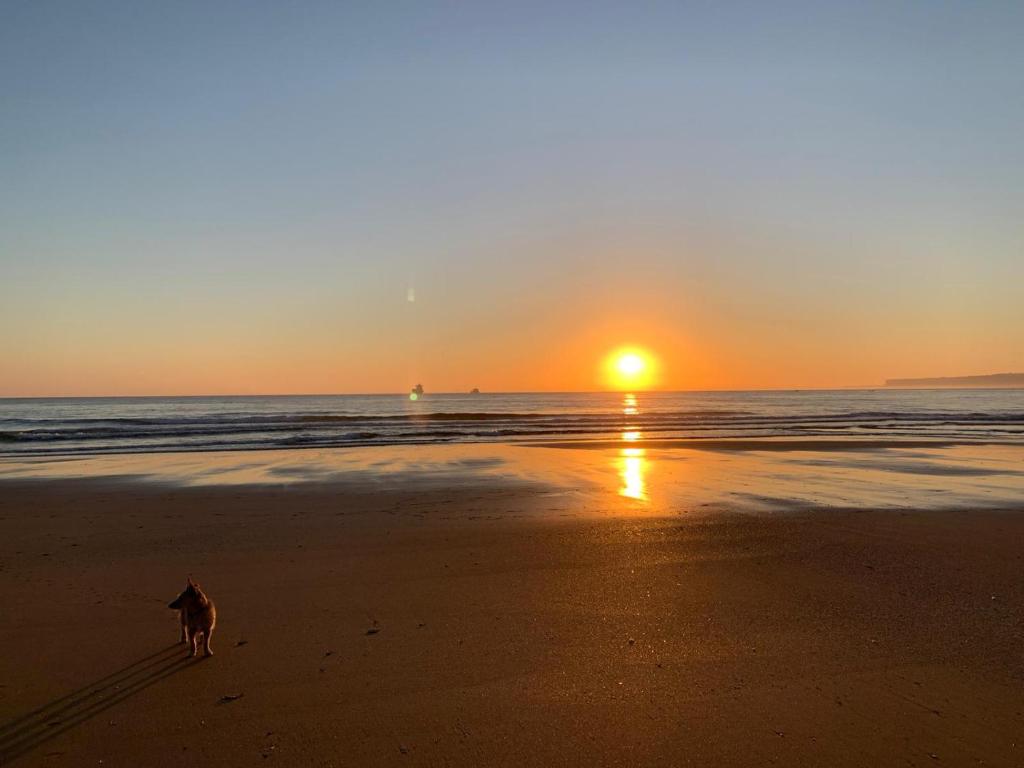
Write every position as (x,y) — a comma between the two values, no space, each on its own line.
(630,368)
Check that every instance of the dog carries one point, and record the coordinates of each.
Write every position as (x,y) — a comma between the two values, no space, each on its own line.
(198,616)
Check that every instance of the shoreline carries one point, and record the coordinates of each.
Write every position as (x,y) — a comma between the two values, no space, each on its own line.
(632,478)
(739,444)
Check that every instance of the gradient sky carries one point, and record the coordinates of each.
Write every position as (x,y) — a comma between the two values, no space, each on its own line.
(239,198)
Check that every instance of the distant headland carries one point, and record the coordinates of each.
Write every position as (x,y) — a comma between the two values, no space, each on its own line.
(993,380)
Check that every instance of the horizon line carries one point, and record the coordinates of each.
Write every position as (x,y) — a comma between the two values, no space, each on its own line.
(861,387)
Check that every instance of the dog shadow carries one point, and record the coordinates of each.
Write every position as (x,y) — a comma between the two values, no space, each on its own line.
(35,728)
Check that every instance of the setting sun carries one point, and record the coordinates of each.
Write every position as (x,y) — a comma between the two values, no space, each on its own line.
(630,369)
(630,364)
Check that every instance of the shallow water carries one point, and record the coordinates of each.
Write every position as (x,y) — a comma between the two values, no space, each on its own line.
(629,480)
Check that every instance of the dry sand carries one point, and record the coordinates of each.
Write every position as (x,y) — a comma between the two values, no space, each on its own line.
(443,627)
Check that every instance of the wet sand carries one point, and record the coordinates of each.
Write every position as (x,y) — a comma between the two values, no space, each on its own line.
(502,623)
(631,477)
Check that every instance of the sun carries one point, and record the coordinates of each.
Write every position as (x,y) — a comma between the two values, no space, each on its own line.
(629,368)
(630,365)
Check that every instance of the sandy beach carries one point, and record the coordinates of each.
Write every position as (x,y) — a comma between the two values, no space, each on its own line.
(492,622)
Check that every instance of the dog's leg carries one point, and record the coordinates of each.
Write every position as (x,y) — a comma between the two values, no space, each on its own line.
(194,643)
(184,629)
(206,642)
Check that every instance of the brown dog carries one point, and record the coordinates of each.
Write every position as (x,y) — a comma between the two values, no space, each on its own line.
(198,616)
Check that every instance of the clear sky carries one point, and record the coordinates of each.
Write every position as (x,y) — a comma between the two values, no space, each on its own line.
(243,198)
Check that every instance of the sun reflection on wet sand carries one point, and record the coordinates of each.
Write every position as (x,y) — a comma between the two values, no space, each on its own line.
(632,461)
(640,477)
(633,464)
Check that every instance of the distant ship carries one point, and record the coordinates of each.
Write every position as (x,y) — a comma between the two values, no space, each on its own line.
(416,393)
(474,391)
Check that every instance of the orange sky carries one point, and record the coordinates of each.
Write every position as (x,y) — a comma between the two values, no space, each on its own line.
(550,329)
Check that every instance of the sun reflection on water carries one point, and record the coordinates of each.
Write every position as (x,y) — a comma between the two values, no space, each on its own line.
(632,467)
(632,461)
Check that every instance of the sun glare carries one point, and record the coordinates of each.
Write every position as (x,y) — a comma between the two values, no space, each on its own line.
(630,364)
(631,369)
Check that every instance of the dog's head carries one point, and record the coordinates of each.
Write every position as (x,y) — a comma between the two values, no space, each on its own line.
(190,595)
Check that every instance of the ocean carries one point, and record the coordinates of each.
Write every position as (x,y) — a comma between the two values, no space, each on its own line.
(77,426)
